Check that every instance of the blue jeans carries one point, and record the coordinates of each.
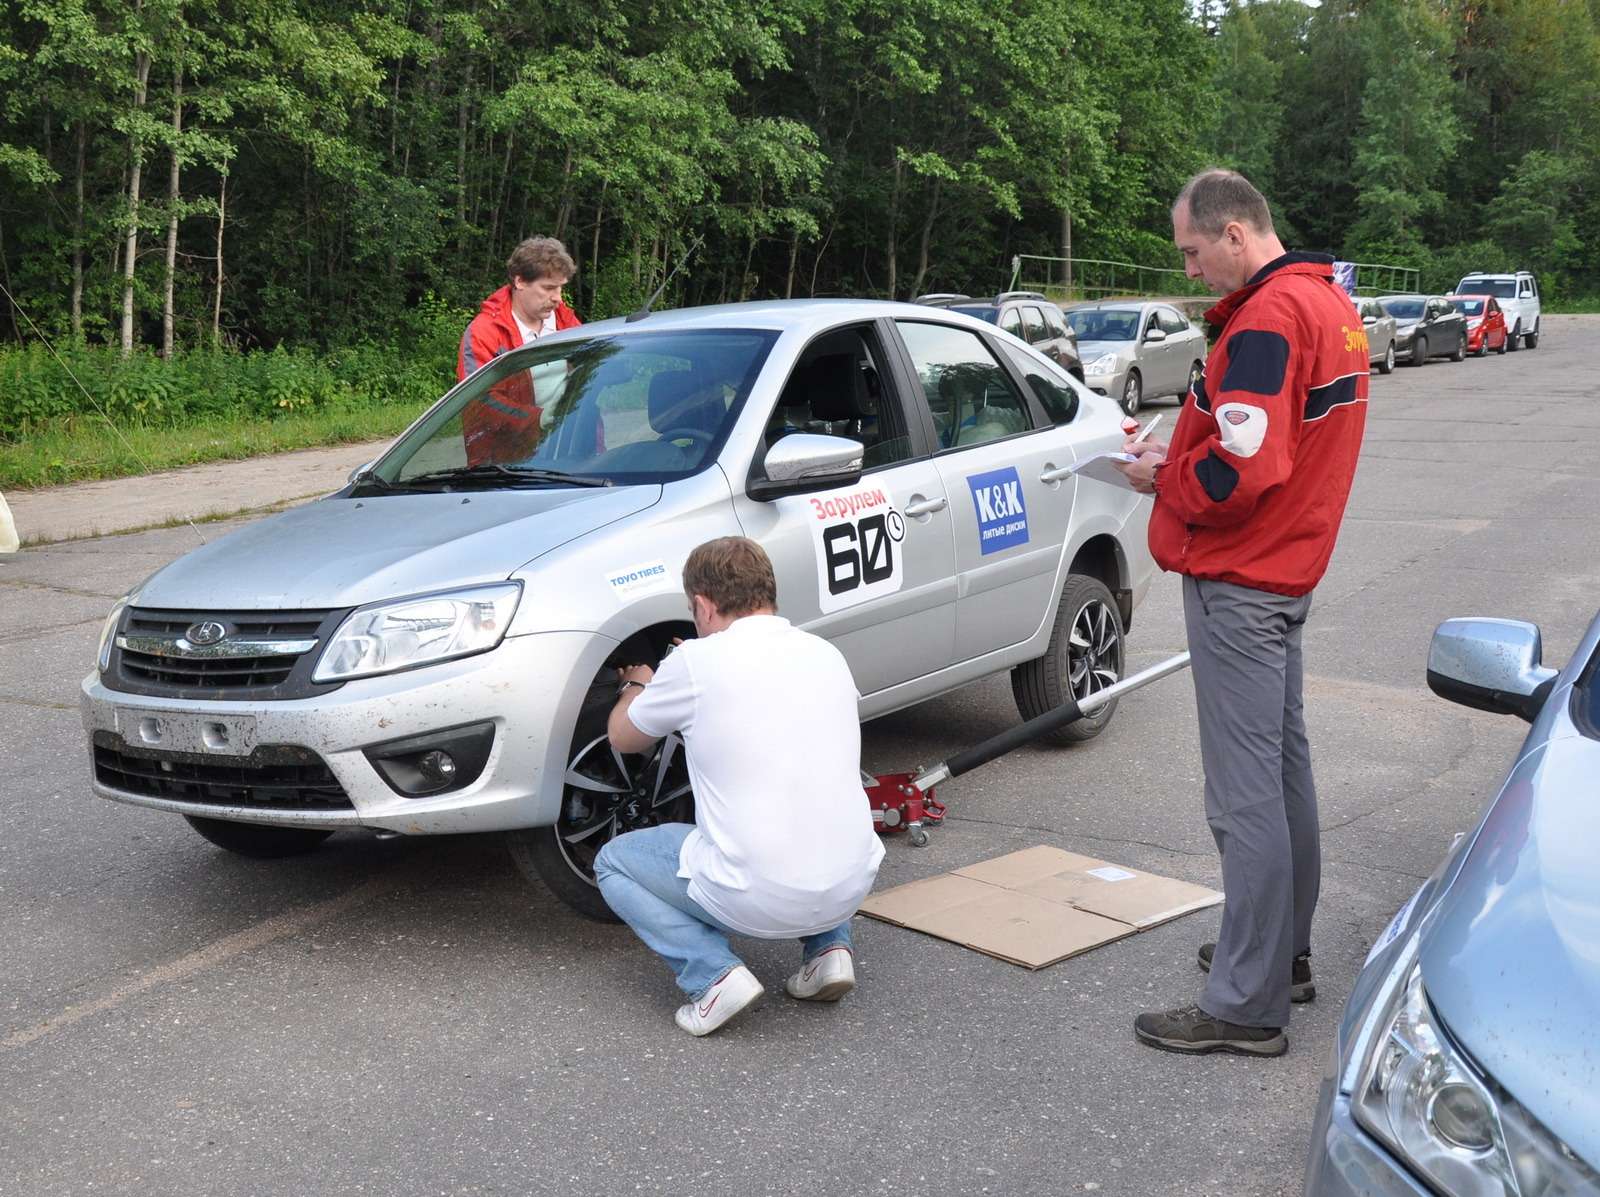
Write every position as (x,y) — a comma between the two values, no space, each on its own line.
(638,874)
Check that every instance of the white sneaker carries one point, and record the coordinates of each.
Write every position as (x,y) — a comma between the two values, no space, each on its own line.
(736,989)
(826,977)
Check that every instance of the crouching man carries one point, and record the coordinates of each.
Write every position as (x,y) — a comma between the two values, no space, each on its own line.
(783,845)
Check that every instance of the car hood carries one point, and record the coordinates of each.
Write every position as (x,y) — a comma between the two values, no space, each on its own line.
(1511,956)
(341,552)
(1089,350)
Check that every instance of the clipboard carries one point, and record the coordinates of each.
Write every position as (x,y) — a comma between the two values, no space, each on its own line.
(1102,467)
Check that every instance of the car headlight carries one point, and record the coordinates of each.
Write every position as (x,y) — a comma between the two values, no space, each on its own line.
(389,637)
(1106,363)
(108,633)
(1422,1100)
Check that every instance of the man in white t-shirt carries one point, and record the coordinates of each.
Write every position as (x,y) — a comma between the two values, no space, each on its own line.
(783,845)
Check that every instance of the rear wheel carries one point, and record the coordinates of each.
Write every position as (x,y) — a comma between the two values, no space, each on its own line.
(604,794)
(1085,655)
(1386,365)
(1132,393)
(257,840)
(1419,351)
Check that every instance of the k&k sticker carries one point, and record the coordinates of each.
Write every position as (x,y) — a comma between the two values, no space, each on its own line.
(858,535)
(1002,511)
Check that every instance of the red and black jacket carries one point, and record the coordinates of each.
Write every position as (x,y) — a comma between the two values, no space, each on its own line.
(503,425)
(1261,463)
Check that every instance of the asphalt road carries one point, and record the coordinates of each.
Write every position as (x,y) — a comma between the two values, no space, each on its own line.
(411,1017)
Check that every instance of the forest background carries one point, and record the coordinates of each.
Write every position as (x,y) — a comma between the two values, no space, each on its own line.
(252,224)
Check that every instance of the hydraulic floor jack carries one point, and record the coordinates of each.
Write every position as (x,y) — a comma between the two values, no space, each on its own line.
(905,801)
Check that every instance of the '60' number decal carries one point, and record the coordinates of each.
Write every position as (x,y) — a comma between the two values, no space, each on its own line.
(857,535)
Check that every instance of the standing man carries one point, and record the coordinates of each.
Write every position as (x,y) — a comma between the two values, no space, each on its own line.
(783,845)
(1248,500)
(503,426)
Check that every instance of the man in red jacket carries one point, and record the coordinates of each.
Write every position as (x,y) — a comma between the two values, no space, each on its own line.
(1249,496)
(502,426)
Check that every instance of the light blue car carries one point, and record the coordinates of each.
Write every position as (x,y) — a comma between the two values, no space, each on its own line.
(1467,1061)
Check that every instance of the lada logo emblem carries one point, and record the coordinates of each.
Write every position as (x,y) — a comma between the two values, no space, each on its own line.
(207,632)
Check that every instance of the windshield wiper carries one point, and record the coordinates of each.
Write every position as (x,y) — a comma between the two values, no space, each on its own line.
(496,473)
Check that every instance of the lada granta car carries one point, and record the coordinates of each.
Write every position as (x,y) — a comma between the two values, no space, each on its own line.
(433,648)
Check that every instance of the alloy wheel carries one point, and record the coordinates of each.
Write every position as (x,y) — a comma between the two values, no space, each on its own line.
(1094,650)
(606,793)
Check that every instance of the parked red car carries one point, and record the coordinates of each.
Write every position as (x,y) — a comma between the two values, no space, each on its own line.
(1486,323)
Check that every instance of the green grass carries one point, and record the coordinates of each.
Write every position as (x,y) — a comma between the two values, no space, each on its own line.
(84,448)
(1579,305)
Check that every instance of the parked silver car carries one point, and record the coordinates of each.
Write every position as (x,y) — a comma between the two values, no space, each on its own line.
(1380,329)
(1468,1059)
(433,648)
(1137,351)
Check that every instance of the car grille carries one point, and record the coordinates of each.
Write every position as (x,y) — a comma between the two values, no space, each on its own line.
(273,777)
(151,655)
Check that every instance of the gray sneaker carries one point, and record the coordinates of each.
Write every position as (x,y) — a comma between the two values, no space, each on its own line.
(1300,987)
(1192,1031)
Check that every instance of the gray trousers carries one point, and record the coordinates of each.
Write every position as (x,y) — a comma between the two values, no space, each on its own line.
(1244,647)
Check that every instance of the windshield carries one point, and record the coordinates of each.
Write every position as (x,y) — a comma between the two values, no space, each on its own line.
(1105,324)
(1472,307)
(985,312)
(1499,288)
(1403,309)
(641,407)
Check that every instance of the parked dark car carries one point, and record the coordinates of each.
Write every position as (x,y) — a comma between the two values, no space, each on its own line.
(1426,326)
(1027,315)
(1466,1060)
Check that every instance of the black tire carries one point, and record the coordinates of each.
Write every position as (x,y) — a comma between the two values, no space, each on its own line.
(1132,393)
(1532,339)
(257,840)
(1459,354)
(1483,347)
(562,855)
(1386,363)
(1504,342)
(1419,352)
(1085,654)
(1514,337)
(1197,371)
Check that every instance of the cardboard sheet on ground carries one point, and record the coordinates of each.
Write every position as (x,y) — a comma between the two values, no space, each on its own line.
(1038,906)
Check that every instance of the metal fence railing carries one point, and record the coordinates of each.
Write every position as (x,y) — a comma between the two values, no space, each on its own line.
(1377,278)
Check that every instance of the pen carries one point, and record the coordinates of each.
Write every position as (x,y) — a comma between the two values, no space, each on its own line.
(1148,429)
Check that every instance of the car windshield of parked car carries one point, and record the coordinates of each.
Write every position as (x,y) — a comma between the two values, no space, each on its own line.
(593,411)
(986,312)
(1499,288)
(1403,309)
(1105,324)
(1471,307)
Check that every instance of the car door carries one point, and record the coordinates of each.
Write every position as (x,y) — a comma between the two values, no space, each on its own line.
(1155,356)
(999,466)
(871,567)
(1186,343)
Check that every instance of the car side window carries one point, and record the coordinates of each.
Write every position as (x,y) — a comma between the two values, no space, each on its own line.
(1527,289)
(970,396)
(1011,322)
(1151,321)
(1033,325)
(1171,322)
(837,388)
(1054,393)
(1054,321)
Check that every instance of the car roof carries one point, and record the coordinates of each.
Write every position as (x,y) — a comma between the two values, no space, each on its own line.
(780,315)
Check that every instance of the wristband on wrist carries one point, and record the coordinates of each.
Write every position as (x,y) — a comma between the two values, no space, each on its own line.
(623,689)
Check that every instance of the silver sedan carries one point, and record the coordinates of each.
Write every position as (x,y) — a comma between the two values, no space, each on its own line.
(1137,351)
(433,649)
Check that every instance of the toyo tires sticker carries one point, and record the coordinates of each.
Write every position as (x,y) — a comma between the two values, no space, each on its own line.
(858,535)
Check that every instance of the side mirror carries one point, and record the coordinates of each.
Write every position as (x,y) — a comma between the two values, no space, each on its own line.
(1369,319)
(1155,335)
(1490,665)
(804,461)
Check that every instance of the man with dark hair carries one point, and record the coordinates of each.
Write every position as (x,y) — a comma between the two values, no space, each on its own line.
(1249,496)
(503,426)
(782,846)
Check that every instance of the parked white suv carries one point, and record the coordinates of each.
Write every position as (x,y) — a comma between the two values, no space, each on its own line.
(1519,298)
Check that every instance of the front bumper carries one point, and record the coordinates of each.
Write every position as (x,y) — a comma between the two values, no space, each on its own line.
(1107,384)
(530,688)
(1345,1160)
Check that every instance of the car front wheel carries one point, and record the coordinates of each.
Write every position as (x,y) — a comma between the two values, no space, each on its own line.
(1513,337)
(1504,340)
(257,840)
(1386,364)
(1459,354)
(1532,339)
(604,794)
(1085,655)
(1132,393)
(1419,351)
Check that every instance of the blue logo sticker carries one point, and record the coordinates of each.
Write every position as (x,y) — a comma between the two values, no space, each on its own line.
(1002,513)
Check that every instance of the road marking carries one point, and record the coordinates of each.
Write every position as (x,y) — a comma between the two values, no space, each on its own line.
(278,927)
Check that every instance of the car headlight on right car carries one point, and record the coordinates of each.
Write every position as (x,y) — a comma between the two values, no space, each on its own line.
(1106,363)
(408,633)
(1420,1098)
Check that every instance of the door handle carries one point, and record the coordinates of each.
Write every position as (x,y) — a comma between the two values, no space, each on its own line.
(925,506)
(1055,474)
